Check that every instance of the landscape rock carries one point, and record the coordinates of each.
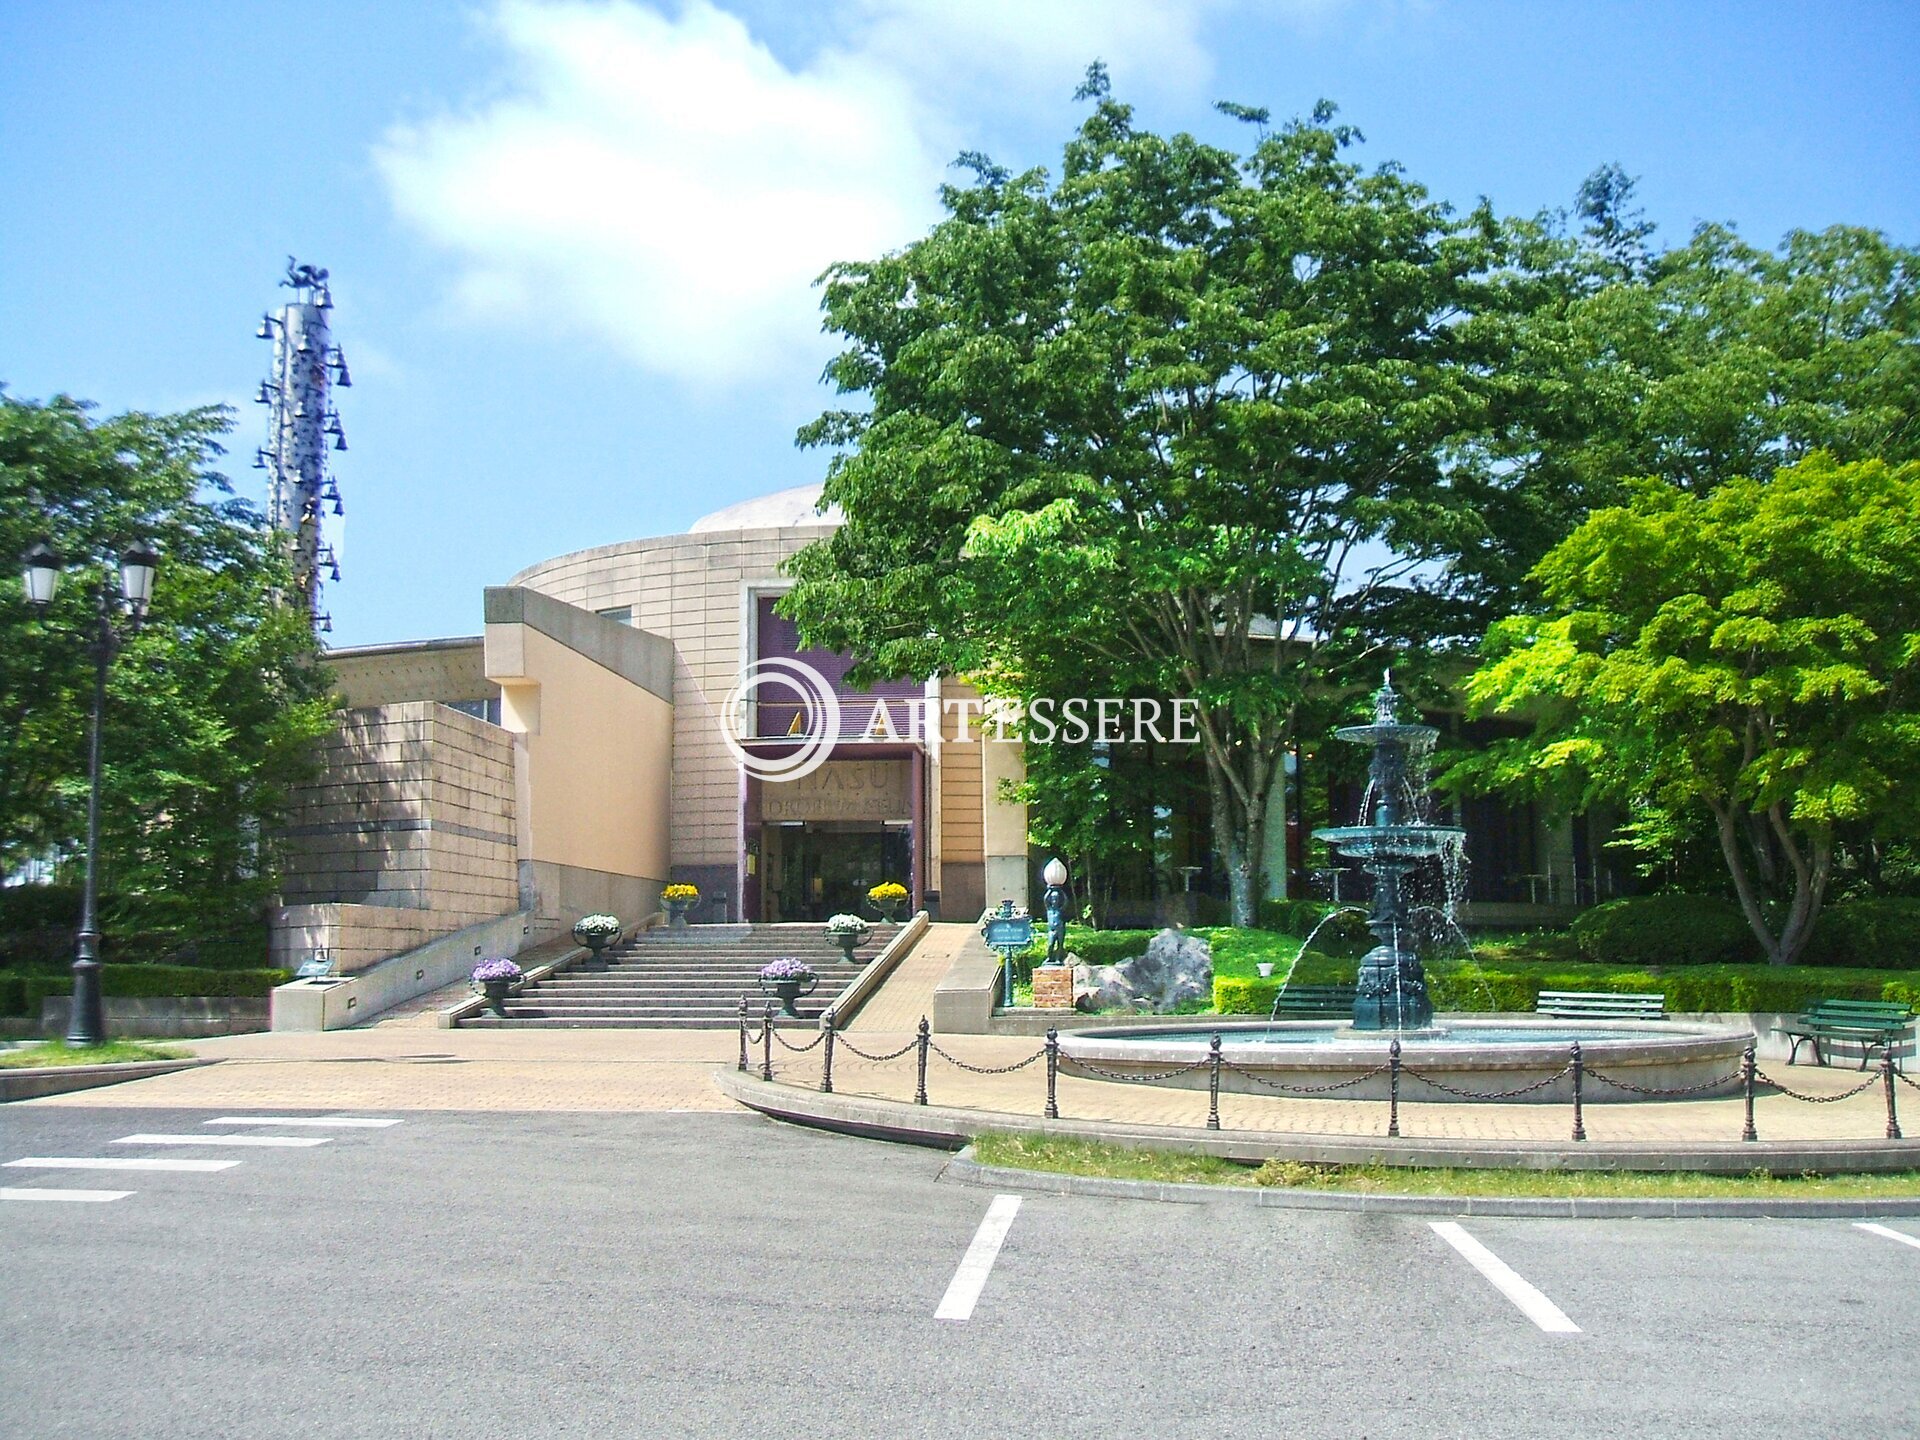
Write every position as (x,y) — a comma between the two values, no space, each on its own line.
(1176,967)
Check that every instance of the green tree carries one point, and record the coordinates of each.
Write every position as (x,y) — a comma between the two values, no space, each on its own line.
(1173,425)
(1702,363)
(211,706)
(1750,655)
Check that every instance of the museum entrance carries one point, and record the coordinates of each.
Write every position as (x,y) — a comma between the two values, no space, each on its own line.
(812,869)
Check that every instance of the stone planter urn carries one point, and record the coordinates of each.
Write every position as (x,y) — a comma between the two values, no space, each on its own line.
(596,932)
(677,913)
(496,992)
(787,980)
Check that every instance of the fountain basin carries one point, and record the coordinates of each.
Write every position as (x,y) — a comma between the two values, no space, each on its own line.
(1478,1054)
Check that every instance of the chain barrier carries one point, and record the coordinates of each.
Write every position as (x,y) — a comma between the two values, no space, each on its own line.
(1732,1077)
(1539,1084)
(800,1049)
(841,1042)
(1907,1080)
(757,1034)
(1262,1080)
(1091,1069)
(1039,1054)
(1864,1085)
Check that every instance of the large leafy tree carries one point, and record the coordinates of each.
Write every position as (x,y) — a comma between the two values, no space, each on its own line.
(211,705)
(1173,424)
(1701,363)
(1750,656)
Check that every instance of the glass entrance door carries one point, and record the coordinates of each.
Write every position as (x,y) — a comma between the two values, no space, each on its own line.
(822,868)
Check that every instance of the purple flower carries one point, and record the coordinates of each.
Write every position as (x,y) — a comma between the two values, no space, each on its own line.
(786,968)
(495,970)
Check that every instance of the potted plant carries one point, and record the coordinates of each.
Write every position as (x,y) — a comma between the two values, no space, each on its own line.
(493,979)
(596,932)
(887,897)
(678,899)
(787,979)
(847,931)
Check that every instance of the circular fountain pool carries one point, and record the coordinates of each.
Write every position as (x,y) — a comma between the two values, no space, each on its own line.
(1480,1055)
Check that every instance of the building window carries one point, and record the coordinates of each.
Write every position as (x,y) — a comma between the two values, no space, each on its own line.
(619,614)
(487,710)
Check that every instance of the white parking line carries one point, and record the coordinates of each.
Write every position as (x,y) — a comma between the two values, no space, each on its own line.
(1890,1233)
(80,1196)
(1535,1306)
(977,1263)
(51,1162)
(299,1142)
(340,1122)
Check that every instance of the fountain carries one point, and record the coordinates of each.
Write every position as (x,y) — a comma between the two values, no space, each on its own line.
(1392,1006)
(1391,992)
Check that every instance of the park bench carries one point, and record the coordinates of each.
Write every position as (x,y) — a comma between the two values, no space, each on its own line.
(1314,1001)
(1591,1005)
(1870,1024)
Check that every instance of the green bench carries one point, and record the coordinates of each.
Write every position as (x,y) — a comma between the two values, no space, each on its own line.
(1591,1005)
(1314,1002)
(1870,1024)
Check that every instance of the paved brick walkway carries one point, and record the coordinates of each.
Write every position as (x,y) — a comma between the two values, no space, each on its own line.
(398,1065)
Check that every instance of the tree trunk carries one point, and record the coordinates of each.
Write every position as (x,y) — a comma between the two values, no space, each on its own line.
(1239,836)
(1810,876)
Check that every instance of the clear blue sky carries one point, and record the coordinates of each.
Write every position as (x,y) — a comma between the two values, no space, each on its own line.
(571,243)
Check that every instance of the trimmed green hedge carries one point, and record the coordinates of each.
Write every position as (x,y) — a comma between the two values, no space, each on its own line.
(22,994)
(1689,989)
(1878,934)
(1666,930)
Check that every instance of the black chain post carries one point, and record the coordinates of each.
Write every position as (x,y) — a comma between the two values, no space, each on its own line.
(1747,1072)
(743,1034)
(766,1043)
(1213,1082)
(1579,1118)
(1393,1091)
(1053,1072)
(920,1085)
(826,1066)
(1893,1114)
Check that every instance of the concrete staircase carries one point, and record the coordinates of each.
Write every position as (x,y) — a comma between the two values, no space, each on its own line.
(689,979)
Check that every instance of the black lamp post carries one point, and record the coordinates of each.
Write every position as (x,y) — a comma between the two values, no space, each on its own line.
(86,1024)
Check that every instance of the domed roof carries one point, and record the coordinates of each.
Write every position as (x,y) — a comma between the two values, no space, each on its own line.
(781,510)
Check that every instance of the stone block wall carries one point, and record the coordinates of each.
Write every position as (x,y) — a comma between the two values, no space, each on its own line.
(405,833)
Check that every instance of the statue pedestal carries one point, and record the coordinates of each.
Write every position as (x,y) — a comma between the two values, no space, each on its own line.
(1053,987)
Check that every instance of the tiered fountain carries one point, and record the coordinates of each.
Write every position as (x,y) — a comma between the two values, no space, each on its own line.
(1487,1054)
(1391,992)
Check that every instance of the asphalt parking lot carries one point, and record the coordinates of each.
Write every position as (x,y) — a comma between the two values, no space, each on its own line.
(502,1274)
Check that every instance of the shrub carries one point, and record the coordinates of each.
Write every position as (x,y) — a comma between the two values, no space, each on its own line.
(1876,934)
(39,907)
(156,982)
(13,995)
(1666,930)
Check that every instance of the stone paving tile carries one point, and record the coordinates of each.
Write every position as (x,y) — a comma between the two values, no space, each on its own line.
(908,991)
(402,1068)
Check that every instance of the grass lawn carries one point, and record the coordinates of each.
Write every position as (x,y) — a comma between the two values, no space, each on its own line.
(1125,1162)
(114,1052)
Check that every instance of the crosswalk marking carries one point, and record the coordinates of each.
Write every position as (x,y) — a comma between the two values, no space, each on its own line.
(971,1278)
(1535,1306)
(1889,1232)
(9,1192)
(285,1142)
(77,1162)
(340,1122)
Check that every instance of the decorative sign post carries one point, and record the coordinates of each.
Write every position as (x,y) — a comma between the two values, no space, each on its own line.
(1009,931)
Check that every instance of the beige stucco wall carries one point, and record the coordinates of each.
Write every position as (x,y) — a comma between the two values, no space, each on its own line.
(598,754)
(694,590)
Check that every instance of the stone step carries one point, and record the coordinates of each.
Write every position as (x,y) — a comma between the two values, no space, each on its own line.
(665,1022)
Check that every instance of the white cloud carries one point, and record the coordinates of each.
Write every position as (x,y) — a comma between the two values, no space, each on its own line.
(671,187)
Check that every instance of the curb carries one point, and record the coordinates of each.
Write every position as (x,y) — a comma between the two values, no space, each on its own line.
(61,1079)
(950,1128)
(964,1169)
